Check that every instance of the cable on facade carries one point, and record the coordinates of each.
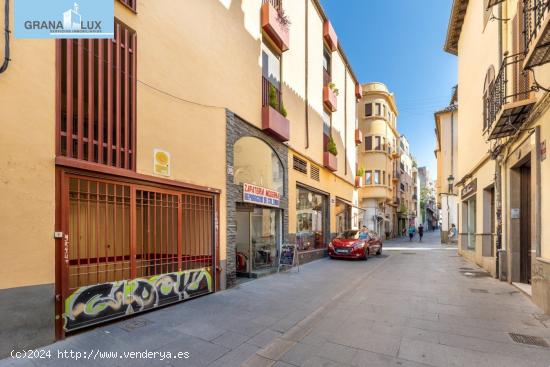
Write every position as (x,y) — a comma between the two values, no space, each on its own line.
(6,37)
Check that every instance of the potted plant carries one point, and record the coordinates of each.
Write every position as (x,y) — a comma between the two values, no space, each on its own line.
(274,120)
(331,147)
(359,177)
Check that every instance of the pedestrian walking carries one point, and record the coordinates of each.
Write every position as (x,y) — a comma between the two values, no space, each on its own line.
(420,232)
(412,230)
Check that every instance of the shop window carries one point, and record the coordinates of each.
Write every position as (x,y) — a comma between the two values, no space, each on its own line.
(343,216)
(368,109)
(368,143)
(471,222)
(311,211)
(256,163)
(97,111)
(368,177)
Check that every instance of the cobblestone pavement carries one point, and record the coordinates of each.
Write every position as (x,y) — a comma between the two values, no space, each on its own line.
(419,304)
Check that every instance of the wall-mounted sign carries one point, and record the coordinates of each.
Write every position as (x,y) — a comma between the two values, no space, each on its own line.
(260,195)
(515,213)
(469,190)
(543,150)
(64,19)
(161,162)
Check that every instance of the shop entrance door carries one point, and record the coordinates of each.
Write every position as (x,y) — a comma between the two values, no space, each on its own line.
(258,240)
(525,225)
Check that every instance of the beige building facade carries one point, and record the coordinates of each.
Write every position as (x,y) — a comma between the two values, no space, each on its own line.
(167,157)
(446,153)
(378,159)
(502,168)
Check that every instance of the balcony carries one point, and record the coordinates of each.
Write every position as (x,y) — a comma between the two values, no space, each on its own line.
(359,181)
(508,104)
(330,161)
(329,98)
(329,35)
(358,91)
(274,122)
(537,32)
(274,25)
(358,137)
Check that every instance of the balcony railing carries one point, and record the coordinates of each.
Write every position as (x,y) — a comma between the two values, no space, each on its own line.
(266,86)
(537,32)
(327,78)
(509,99)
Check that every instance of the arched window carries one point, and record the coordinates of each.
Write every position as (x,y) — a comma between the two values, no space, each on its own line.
(256,163)
(487,105)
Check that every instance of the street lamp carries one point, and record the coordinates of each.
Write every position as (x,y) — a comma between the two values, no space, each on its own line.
(451,181)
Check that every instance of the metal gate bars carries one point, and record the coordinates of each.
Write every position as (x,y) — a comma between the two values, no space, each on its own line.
(129,248)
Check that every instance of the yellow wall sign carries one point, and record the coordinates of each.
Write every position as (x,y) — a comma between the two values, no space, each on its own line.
(161,162)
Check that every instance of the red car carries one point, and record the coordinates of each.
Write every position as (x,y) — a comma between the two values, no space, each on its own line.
(352,245)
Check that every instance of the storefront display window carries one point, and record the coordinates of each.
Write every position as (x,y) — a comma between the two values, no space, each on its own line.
(311,209)
(471,203)
(343,216)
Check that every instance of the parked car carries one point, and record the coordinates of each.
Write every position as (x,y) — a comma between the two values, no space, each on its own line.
(349,245)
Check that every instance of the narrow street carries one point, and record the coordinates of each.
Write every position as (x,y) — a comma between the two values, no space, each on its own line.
(417,304)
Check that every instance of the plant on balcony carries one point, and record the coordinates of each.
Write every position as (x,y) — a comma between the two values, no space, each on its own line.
(331,146)
(360,172)
(282,17)
(333,88)
(273,101)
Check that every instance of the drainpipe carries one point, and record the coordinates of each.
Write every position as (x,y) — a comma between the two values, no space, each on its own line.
(498,168)
(306,101)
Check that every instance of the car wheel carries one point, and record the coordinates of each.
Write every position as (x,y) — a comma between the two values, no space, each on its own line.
(379,252)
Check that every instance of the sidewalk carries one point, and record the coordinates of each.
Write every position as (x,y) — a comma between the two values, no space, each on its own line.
(409,307)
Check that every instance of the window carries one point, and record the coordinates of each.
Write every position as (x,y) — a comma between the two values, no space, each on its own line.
(376,143)
(383,143)
(384,177)
(368,109)
(132,4)
(326,123)
(257,164)
(271,76)
(471,222)
(377,177)
(378,109)
(311,211)
(368,177)
(384,110)
(487,111)
(97,84)
(299,164)
(327,61)
(368,143)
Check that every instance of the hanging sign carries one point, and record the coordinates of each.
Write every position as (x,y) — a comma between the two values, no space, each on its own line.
(260,195)
(161,162)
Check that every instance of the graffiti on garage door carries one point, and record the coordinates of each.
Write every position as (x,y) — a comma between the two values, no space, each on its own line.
(96,303)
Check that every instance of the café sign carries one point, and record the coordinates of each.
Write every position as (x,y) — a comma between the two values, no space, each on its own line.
(260,195)
(469,189)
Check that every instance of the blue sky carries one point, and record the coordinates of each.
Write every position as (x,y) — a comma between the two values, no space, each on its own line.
(400,43)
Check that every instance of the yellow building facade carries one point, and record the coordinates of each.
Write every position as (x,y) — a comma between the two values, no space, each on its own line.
(502,172)
(186,151)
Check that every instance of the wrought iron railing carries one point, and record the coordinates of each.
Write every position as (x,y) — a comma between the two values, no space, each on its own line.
(534,13)
(266,87)
(501,92)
